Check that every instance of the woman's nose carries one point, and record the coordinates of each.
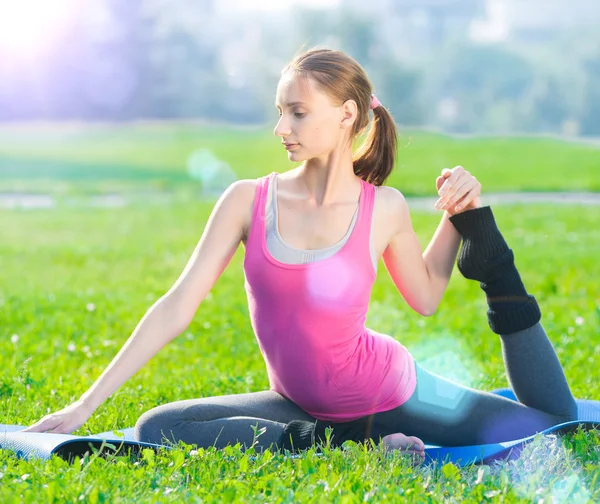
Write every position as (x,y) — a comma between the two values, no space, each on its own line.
(282,128)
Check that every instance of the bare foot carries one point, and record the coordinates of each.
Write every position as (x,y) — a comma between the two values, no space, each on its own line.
(409,444)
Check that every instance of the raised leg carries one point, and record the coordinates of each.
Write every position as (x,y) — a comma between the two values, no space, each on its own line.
(532,367)
(444,412)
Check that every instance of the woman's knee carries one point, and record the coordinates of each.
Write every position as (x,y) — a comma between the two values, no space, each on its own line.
(154,426)
(570,413)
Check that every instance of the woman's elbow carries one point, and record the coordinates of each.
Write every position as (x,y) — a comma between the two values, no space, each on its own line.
(425,308)
(427,311)
(424,305)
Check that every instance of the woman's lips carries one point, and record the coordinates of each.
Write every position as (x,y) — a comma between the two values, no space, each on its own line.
(290,146)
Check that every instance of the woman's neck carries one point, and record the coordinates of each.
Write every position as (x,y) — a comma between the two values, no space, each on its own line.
(329,181)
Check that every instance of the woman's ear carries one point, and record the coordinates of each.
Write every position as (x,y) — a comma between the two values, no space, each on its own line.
(349,113)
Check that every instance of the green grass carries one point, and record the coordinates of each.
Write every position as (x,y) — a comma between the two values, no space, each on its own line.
(121,260)
(114,158)
(56,264)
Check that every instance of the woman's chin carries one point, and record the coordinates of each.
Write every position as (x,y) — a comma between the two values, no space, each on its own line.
(292,156)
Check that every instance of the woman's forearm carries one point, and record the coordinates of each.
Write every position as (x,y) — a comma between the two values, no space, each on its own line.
(155,330)
(440,256)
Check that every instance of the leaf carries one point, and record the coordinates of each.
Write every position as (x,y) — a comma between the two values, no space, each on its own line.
(149,456)
(450,471)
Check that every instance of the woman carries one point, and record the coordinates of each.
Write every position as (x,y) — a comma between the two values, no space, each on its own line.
(313,237)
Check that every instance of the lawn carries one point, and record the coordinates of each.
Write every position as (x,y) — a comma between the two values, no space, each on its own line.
(74,284)
(134,156)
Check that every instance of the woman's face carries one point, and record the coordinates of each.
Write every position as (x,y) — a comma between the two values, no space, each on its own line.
(308,120)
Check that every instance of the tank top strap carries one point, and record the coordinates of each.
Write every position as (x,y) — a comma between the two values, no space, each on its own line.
(257,226)
(362,231)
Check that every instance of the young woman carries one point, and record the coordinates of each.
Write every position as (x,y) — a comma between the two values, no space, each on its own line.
(313,237)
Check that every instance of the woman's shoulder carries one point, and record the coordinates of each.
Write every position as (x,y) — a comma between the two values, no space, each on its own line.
(247,187)
(241,192)
(240,197)
(244,186)
(244,190)
(391,209)
(391,200)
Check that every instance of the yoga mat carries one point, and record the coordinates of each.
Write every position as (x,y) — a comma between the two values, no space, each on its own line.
(68,446)
(588,418)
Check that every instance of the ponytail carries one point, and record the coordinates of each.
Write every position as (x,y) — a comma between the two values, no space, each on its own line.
(374,159)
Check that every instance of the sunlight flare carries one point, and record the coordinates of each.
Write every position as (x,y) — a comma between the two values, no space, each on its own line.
(26,25)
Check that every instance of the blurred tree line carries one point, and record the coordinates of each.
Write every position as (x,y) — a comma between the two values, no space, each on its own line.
(143,62)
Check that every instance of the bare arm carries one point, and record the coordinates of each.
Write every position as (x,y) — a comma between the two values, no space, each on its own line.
(156,328)
(422,278)
(172,313)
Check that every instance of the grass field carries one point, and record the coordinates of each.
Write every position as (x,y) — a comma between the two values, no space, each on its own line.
(74,284)
(133,156)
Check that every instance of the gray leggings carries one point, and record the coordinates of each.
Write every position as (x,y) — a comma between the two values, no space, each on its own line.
(439,412)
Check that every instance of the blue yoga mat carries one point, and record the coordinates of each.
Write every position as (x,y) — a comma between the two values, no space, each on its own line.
(67,446)
(588,418)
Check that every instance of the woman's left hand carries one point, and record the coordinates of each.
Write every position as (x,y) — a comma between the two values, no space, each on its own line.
(459,191)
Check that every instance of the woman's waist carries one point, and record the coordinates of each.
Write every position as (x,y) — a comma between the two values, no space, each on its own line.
(365,356)
(327,334)
(359,385)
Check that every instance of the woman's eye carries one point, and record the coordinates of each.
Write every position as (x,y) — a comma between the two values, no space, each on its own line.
(298,115)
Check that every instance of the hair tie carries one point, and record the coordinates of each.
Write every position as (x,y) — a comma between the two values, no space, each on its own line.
(374,102)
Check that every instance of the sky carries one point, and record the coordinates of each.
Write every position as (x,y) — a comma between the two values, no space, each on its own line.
(25,23)
(27,26)
(271,5)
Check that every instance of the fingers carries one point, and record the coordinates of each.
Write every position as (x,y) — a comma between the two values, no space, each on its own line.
(44,425)
(455,193)
(471,197)
(453,180)
(438,183)
(458,191)
(463,195)
(446,172)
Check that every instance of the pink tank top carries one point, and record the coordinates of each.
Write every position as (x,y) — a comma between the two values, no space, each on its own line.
(309,321)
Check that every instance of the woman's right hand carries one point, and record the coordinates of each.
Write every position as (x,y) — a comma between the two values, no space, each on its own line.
(63,421)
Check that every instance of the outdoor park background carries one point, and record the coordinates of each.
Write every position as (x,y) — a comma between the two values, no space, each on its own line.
(121,122)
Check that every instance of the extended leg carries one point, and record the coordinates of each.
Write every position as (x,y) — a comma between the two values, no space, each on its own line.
(221,420)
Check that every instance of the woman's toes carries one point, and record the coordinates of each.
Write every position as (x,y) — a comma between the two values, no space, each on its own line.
(410,445)
(400,441)
(417,444)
